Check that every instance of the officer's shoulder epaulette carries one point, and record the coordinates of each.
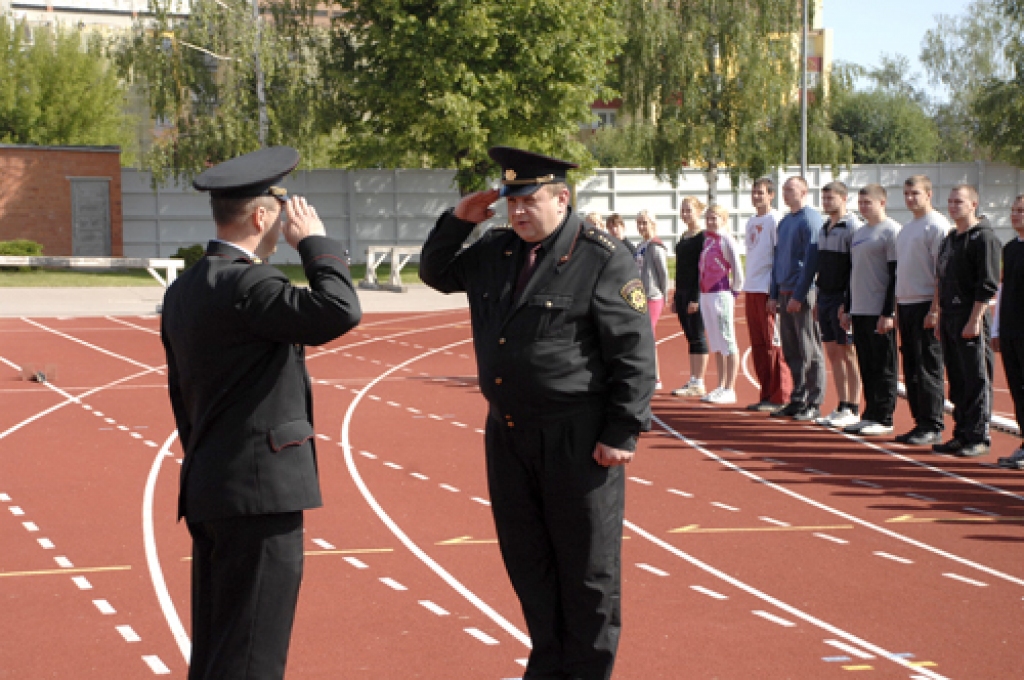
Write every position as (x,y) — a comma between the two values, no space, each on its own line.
(599,237)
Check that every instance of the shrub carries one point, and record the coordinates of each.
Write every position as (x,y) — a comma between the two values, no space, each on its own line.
(191,254)
(20,247)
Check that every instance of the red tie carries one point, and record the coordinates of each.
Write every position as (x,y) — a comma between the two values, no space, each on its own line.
(527,271)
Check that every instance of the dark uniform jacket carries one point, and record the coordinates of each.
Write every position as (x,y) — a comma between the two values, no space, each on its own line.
(234,334)
(578,338)
(968,268)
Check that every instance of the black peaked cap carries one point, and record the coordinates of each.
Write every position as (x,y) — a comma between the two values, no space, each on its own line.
(249,175)
(523,172)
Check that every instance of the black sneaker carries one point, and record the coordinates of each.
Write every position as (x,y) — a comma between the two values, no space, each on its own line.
(789,410)
(924,439)
(952,446)
(810,413)
(907,436)
(1014,461)
(973,450)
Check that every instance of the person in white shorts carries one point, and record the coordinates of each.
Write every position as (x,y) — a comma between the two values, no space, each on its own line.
(721,277)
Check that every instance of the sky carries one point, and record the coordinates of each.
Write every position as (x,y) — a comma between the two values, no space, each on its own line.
(863,30)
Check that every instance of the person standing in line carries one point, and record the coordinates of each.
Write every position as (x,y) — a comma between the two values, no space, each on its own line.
(833,282)
(686,300)
(652,258)
(793,271)
(769,364)
(234,331)
(968,277)
(721,276)
(617,228)
(1008,327)
(917,251)
(565,357)
(872,311)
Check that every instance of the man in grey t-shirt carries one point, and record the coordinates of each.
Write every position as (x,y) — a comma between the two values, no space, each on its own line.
(872,311)
(917,252)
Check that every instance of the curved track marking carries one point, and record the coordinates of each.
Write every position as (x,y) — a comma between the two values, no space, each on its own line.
(390,523)
(839,513)
(746,369)
(789,609)
(156,573)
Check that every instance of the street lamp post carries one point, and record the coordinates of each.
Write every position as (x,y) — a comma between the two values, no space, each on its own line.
(803,93)
(260,96)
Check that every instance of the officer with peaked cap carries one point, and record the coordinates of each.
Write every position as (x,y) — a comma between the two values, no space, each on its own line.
(234,329)
(565,357)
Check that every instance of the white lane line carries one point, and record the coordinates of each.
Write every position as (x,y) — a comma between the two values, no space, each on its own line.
(432,564)
(419,475)
(815,471)
(776,522)
(123,428)
(392,583)
(365,454)
(448,487)
(850,649)
(410,409)
(522,662)
(156,665)
(737,452)
(434,417)
(15,510)
(395,404)
(927,499)
(458,424)
(5,498)
(356,562)
(653,570)
(845,515)
(481,501)
(894,558)
(723,506)
(861,482)
(30,526)
(324,544)
(91,346)
(63,562)
(774,460)
(393,466)
(374,397)
(104,607)
(128,634)
(433,608)
(840,541)
(710,593)
(677,492)
(481,636)
(323,437)
(479,431)
(964,579)
(150,444)
(156,573)
(97,413)
(773,618)
(136,435)
(982,512)
(640,480)
(46,543)
(82,582)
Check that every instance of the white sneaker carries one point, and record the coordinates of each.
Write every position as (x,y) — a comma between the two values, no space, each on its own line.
(720,396)
(827,420)
(658,385)
(709,397)
(875,429)
(844,419)
(690,389)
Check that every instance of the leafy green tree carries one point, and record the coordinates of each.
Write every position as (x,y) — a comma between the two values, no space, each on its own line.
(58,89)
(999,104)
(434,83)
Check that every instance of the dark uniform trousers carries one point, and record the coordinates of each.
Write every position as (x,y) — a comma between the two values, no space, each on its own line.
(558,516)
(876,359)
(1012,349)
(922,367)
(969,366)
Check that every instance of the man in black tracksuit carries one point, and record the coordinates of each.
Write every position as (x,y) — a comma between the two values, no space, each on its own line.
(565,356)
(968,277)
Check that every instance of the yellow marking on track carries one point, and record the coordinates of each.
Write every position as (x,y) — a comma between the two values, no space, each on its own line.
(467,540)
(858,668)
(71,570)
(923,664)
(695,529)
(910,519)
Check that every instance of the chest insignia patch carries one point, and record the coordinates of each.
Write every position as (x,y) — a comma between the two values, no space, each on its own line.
(633,294)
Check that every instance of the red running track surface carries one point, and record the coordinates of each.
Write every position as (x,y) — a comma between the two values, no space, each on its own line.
(754,548)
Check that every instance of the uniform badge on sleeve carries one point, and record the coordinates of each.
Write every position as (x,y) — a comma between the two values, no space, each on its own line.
(633,293)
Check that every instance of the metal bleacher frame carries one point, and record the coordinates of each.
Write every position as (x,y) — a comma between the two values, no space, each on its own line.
(171,266)
(400,256)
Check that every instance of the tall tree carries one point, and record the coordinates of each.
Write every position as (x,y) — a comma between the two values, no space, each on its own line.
(58,88)
(999,104)
(434,83)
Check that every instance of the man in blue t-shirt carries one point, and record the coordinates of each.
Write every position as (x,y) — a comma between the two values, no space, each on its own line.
(793,295)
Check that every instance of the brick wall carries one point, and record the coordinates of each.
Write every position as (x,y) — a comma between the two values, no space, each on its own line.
(35,193)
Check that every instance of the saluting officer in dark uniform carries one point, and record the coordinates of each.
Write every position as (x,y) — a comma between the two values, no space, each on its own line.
(565,357)
(234,331)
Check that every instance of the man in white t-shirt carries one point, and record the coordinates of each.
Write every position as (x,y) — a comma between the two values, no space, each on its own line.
(769,362)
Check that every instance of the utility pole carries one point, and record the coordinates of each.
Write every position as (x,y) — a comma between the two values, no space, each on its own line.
(260,96)
(803,94)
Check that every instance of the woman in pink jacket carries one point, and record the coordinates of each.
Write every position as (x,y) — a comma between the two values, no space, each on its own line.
(721,277)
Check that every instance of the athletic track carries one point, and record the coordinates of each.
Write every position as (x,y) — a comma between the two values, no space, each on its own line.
(754,548)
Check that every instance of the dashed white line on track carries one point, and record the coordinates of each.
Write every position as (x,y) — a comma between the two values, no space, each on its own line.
(710,593)
(15,510)
(840,541)
(393,466)
(776,522)
(395,404)
(366,454)
(919,497)
(5,498)
(46,543)
(639,480)
(964,579)
(63,562)
(894,558)
(156,665)
(849,649)
(982,512)
(30,526)
(128,634)
(723,506)
(356,562)
(773,618)
(323,437)
(774,460)
(458,424)
(448,487)
(82,582)
(419,475)
(737,452)
(433,608)
(481,501)
(815,471)
(104,607)
(861,482)
(653,570)
(410,409)
(324,544)
(677,492)
(392,583)
(481,636)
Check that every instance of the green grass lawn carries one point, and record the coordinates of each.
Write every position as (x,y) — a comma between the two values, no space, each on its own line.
(57,278)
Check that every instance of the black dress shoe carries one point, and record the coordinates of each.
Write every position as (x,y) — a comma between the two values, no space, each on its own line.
(952,446)
(924,439)
(973,450)
(789,410)
(810,413)
(907,436)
